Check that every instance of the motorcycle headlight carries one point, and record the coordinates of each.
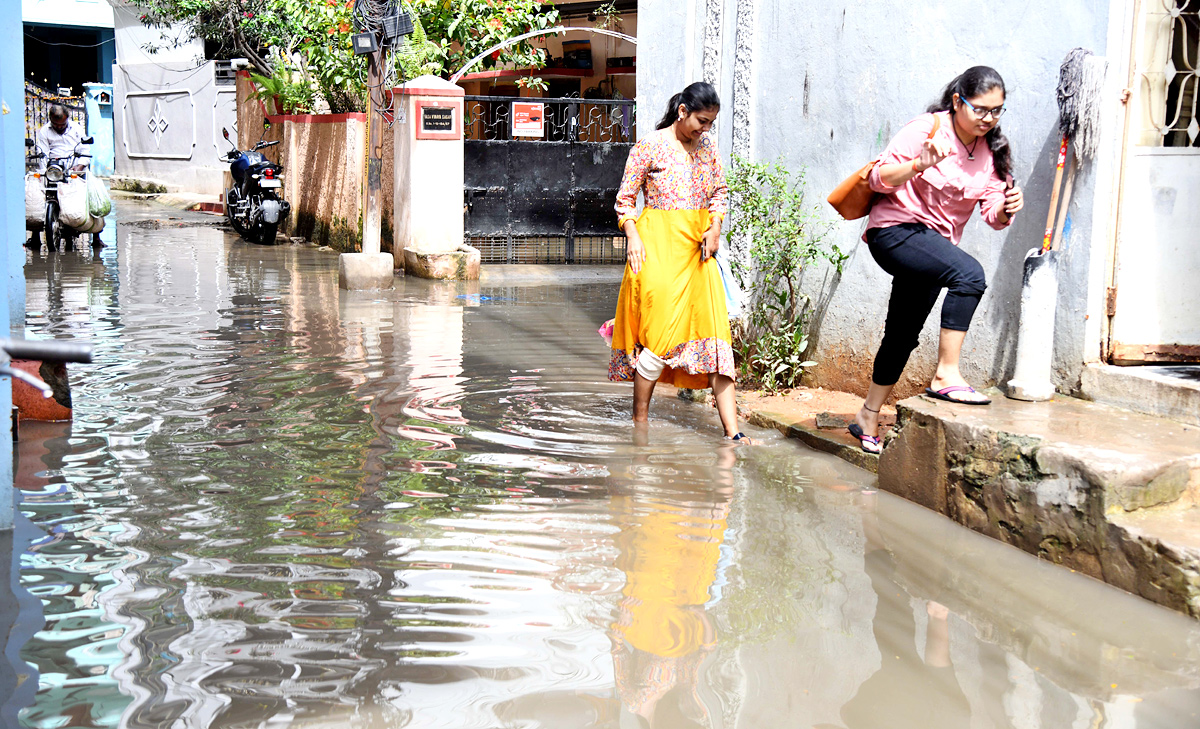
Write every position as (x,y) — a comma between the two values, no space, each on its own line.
(54,174)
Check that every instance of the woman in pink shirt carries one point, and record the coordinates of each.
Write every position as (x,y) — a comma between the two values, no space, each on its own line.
(930,182)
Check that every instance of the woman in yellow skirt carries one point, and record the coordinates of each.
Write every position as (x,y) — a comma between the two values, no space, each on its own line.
(671,324)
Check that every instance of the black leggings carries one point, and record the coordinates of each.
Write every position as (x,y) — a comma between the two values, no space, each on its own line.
(921,263)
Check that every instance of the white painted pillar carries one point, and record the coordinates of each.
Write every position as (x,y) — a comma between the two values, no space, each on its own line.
(1035,337)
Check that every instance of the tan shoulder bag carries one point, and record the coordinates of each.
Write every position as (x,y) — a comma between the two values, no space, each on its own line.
(853,197)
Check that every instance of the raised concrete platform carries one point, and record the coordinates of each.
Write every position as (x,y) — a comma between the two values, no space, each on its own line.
(1107,492)
(460,265)
(366,271)
(1168,391)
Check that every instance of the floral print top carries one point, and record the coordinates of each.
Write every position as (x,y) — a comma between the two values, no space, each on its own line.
(672,179)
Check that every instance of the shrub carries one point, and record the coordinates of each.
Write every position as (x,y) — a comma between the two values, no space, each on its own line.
(767,210)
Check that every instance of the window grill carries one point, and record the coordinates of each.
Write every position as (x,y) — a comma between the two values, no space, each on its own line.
(1168,71)
(223,73)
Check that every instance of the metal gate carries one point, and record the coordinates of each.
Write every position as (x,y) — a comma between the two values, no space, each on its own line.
(549,199)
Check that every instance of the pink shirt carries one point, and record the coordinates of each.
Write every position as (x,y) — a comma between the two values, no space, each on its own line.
(944,195)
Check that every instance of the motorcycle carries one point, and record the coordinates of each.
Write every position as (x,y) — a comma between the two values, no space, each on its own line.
(254,205)
(59,169)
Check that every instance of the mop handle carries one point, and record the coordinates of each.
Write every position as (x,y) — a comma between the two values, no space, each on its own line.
(1058,173)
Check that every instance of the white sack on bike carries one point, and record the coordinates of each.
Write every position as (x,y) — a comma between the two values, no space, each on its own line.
(35,201)
(94,224)
(98,201)
(72,202)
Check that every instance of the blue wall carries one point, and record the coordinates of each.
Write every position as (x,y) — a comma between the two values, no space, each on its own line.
(12,223)
(98,100)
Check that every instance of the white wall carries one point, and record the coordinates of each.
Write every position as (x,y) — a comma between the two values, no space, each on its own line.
(176,45)
(88,13)
(188,110)
(831,82)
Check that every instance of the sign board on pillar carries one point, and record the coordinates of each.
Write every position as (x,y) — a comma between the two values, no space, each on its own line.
(438,119)
(528,119)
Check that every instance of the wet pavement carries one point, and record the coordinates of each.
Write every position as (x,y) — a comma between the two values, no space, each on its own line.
(281,504)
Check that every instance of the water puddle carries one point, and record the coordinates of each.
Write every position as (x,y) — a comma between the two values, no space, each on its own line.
(281,504)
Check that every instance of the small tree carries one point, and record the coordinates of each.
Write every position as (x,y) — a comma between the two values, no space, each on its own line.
(767,208)
(463,29)
(307,42)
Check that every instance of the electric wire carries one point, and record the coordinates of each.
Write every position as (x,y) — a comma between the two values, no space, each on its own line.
(31,36)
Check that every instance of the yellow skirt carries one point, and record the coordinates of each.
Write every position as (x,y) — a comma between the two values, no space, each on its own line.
(674,306)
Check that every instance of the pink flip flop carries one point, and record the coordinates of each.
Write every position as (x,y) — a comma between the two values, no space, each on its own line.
(864,439)
(944,394)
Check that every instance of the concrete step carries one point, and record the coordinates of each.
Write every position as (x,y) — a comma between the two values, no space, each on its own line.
(1168,391)
(1108,492)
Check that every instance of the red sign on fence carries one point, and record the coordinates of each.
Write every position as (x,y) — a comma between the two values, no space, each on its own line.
(528,119)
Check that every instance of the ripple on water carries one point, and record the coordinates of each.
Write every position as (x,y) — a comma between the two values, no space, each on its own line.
(284,504)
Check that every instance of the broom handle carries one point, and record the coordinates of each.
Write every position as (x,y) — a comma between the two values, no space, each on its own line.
(1066,204)
(1058,173)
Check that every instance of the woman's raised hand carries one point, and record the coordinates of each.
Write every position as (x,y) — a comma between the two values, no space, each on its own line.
(635,251)
(933,151)
(1014,200)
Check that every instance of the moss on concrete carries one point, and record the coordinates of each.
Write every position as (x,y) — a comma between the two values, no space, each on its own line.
(338,234)
(134,184)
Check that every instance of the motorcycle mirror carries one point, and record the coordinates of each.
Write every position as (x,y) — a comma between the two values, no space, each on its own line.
(266,124)
(28,142)
(225,133)
(87,140)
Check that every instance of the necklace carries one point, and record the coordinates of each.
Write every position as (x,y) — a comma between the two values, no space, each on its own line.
(971,151)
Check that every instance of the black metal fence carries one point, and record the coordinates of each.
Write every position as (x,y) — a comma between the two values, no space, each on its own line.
(547,200)
(600,121)
(38,101)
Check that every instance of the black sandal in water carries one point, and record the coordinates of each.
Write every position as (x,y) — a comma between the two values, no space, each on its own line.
(739,438)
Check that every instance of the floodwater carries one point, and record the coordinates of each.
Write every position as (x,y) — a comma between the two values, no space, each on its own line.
(280,504)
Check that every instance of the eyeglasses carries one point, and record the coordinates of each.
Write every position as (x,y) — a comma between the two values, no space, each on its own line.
(983,113)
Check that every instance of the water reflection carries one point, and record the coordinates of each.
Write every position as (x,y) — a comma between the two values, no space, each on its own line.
(910,689)
(283,504)
(669,551)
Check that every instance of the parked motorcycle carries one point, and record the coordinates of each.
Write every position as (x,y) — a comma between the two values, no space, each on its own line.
(58,170)
(254,205)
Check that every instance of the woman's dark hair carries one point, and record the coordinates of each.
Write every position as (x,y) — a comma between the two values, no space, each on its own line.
(975,81)
(697,97)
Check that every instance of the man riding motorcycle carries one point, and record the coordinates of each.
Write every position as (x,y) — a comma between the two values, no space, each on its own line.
(61,139)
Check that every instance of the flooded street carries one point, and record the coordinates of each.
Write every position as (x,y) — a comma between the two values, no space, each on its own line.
(285,505)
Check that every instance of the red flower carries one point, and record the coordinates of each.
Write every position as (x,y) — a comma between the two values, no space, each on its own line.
(495,55)
(344,27)
(248,14)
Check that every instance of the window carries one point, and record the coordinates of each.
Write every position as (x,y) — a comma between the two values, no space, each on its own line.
(1169,74)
